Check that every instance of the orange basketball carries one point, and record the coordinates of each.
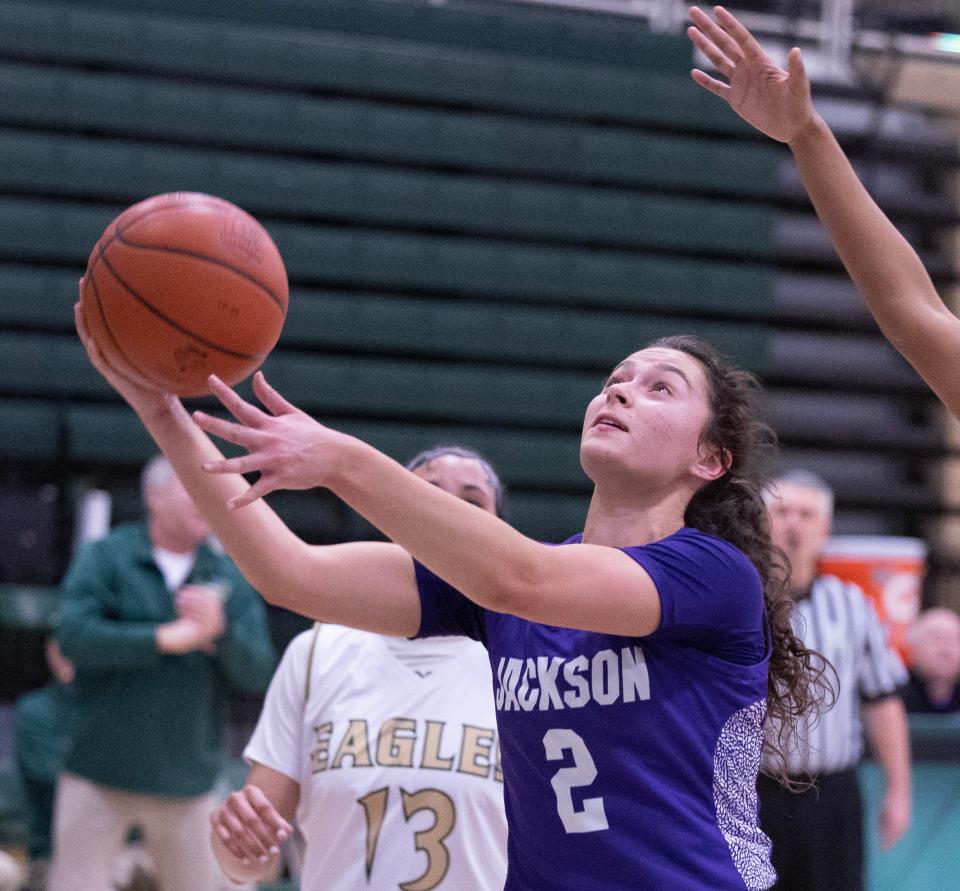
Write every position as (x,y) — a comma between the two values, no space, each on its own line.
(185,285)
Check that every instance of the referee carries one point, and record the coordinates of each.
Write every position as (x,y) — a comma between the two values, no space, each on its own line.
(817,833)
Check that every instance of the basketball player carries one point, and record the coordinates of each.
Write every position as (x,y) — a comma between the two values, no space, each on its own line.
(633,666)
(883,266)
(383,748)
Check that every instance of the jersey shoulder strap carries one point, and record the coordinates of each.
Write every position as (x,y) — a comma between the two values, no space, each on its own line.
(310,654)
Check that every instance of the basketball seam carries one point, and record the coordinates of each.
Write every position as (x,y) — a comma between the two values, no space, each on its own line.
(143,216)
(113,339)
(173,324)
(120,236)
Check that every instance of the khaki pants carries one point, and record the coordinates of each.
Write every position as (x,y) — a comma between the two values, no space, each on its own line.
(90,828)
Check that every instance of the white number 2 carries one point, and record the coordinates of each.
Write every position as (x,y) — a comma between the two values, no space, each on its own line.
(592,817)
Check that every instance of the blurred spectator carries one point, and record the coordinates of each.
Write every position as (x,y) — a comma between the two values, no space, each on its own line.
(817,833)
(41,742)
(41,737)
(934,684)
(159,626)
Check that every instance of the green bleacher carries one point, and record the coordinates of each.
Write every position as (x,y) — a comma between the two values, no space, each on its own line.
(481,211)
(387,197)
(520,32)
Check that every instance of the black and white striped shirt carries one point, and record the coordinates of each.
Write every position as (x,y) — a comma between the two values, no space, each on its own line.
(839,621)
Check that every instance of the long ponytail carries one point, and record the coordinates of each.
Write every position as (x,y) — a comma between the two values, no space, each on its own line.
(732,508)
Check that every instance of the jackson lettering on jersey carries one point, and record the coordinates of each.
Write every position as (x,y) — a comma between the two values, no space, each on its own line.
(552,682)
(631,762)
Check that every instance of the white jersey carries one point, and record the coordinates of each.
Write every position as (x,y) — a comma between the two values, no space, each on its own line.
(400,784)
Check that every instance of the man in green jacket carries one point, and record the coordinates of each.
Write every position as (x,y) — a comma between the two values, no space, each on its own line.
(159,626)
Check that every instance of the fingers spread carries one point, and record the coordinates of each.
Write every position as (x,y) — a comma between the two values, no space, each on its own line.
(240,464)
(743,38)
(706,46)
(716,87)
(242,410)
(276,404)
(716,34)
(795,67)
(239,434)
(261,487)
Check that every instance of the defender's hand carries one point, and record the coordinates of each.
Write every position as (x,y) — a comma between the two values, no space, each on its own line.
(775,101)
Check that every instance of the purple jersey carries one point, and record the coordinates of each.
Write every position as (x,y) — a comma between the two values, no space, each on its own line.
(631,762)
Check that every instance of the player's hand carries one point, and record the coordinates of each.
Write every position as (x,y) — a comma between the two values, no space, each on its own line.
(204,605)
(775,101)
(250,827)
(138,392)
(287,447)
(894,818)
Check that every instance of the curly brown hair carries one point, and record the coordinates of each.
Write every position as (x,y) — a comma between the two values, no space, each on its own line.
(732,508)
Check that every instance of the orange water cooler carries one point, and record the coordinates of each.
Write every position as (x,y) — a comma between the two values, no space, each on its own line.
(890,571)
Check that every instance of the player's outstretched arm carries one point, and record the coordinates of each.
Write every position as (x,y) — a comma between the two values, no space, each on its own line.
(248,829)
(366,585)
(883,266)
(476,552)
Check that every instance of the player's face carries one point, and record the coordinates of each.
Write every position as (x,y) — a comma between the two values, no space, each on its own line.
(799,522)
(647,421)
(460,476)
(172,510)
